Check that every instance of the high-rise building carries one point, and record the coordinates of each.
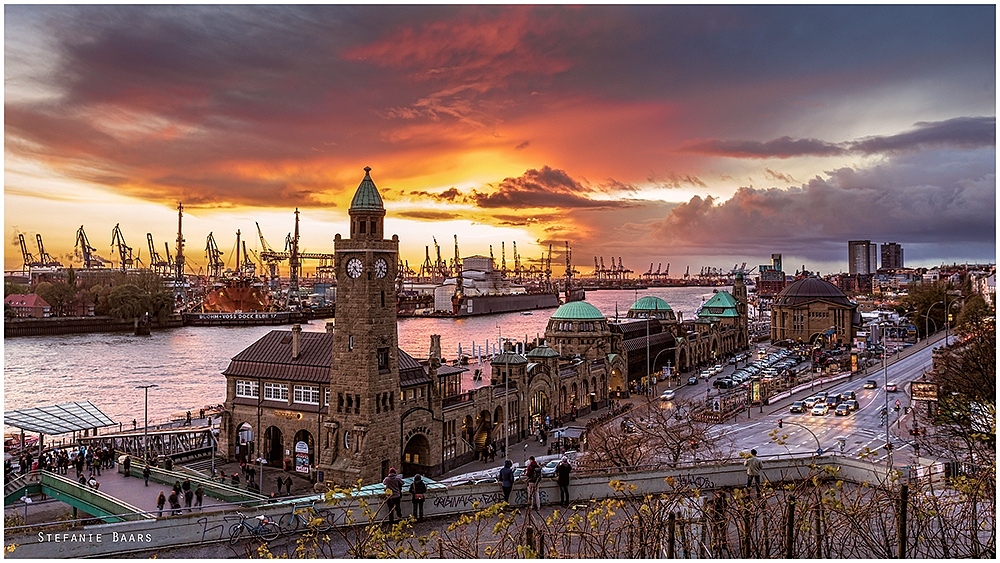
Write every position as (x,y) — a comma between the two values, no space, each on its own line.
(862,257)
(892,255)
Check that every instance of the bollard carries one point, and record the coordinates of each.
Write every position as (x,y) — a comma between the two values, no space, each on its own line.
(671,530)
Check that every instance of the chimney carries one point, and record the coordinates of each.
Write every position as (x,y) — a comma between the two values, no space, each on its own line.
(329,327)
(296,337)
(434,356)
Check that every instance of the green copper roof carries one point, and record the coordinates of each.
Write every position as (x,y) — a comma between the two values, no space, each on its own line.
(650,303)
(722,304)
(542,351)
(367,198)
(578,311)
(509,358)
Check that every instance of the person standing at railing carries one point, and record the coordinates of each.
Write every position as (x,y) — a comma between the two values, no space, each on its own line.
(160,501)
(418,489)
(754,468)
(394,485)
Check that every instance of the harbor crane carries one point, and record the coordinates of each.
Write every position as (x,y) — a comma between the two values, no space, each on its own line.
(214,256)
(156,262)
(29,258)
(44,259)
(84,249)
(126,261)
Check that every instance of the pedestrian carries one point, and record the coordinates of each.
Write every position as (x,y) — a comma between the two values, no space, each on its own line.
(82,480)
(134,423)
(493,452)
(177,487)
(534,475)
(127,465)
(506,479)
(188,497)
(160,501)
(199,495)
(169,463)
(145,474)
(280,483)
(418,489)
(92,482)
(175,503)
(562,479)
(288,484)
(394,486)
(754,467)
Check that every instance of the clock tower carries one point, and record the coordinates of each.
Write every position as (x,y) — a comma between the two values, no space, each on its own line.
(362,430)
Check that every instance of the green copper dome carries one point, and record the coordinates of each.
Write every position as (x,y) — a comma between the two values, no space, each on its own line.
(367,197)
(650,303)
(578,311)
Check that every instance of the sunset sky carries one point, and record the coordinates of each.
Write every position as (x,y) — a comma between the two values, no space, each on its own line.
(690,135)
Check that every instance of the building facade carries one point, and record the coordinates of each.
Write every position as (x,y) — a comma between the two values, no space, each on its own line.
(862,257)
(816,311)
(347,404)
(892,256)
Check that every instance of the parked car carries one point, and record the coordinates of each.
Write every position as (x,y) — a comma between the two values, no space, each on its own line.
(820,409)
(871,384)
(891,388)
(842,410)
(797,406)
(667,395)
(549,469)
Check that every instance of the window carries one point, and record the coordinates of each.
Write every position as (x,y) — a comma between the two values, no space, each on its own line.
(357,404)
(246,389)
(326,397)
(350,343)
(275,392)
(306,394)
(340,402)
(383,359)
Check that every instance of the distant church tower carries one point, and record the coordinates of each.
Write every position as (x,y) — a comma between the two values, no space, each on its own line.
(363,426)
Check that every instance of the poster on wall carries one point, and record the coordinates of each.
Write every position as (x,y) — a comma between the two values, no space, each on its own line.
(301,457)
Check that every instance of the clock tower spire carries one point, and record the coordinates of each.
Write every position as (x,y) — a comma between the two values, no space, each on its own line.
(363,422)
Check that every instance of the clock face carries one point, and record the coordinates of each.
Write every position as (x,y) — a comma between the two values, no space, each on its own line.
(381,268)
(354,267)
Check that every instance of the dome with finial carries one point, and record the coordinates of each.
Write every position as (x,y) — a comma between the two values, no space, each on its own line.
(367,197)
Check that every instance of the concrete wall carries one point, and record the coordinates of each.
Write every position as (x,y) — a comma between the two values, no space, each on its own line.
(190,529)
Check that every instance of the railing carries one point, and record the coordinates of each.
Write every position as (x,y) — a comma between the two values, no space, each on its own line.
(457,399)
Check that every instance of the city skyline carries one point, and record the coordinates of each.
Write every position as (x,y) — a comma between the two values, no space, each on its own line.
(690,135)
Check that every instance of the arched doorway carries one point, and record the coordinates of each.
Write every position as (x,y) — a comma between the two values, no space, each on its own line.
(682,360)
(417,456)
(484,431)
(244,442)
(274,449)
(616,383)
(305,451)
(539,410)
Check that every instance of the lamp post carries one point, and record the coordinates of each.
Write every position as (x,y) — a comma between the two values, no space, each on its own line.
(928,318)
(260,458)
(885,382)
(819,448)
(145,418)
(658,357)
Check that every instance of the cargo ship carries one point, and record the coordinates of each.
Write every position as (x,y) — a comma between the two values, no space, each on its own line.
(480,290)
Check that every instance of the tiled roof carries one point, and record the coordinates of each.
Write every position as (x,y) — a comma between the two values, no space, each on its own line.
(25,300)
(367,197)
(634,344)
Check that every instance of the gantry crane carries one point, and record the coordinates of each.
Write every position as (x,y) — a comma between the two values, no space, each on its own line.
(44,259)
(156,262)
(29,258)
(126,261)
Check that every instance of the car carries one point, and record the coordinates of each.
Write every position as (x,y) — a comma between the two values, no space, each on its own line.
(852,404)
(832,401)
(549,469)
(692,380)
(718,368)
(810,402)
(871,384)
(667,395)
(848,395)
(822,395)
(891,388)
(842,410)
(706,374)
(797,406)
(820,409)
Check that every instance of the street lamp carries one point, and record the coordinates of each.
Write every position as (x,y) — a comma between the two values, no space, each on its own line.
(145,418)
(658,357)
(819,448)
(885,382)
(928,318)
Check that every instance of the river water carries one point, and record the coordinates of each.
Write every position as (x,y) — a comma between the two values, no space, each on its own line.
(187,363)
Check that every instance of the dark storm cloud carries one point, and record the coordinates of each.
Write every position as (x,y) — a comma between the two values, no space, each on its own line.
(547,187)
(429,215)
(944,197)
(960,132)
(450,195)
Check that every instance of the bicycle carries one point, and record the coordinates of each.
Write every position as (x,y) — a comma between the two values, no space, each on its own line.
(289,523)
(262,528)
